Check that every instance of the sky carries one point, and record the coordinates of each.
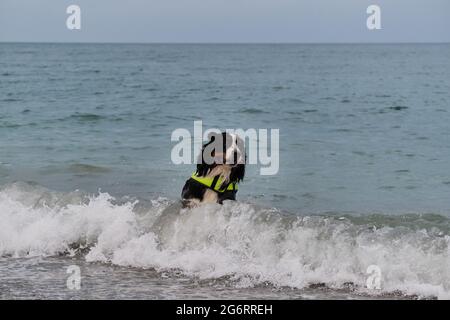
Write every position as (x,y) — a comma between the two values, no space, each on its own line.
(225,21)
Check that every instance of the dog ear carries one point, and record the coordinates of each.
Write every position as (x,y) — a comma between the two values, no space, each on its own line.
(237,173)
(202,169)
(202,166)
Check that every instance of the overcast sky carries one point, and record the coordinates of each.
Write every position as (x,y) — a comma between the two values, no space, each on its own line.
(225,21)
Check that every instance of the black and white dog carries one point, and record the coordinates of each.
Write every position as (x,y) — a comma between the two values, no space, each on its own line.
(220,168)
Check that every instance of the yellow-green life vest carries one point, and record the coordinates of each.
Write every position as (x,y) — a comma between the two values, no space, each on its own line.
(214,183)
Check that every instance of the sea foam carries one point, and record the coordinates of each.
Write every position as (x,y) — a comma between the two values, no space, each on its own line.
(244,243)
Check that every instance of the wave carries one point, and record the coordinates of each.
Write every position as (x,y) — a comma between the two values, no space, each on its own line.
(244,243)
(252,110)
(87,168)
(86,117)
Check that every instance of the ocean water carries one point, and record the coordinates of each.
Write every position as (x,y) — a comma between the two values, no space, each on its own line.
(86,176)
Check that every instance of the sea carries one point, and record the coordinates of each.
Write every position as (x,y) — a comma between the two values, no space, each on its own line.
(89,191)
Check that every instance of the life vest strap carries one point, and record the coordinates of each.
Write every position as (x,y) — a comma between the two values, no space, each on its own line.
(214,183)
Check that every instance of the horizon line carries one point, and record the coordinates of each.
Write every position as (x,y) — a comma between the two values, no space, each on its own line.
(222,43)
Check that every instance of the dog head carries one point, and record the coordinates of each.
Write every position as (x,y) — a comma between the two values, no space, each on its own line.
(224,154)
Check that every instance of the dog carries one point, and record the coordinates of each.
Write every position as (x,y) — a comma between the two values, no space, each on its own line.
(221,166)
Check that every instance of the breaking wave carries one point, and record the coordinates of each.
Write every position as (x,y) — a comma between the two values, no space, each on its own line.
(244,243)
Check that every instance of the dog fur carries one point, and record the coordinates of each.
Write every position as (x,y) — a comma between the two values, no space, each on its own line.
(226,159)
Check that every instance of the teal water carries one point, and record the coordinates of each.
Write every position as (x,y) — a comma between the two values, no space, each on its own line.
(363,127)
(364,137)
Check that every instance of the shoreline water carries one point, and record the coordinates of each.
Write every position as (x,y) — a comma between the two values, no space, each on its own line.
(238,249)
(363,174)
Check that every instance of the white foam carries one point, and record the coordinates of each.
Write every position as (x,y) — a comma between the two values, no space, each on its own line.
(246,244)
